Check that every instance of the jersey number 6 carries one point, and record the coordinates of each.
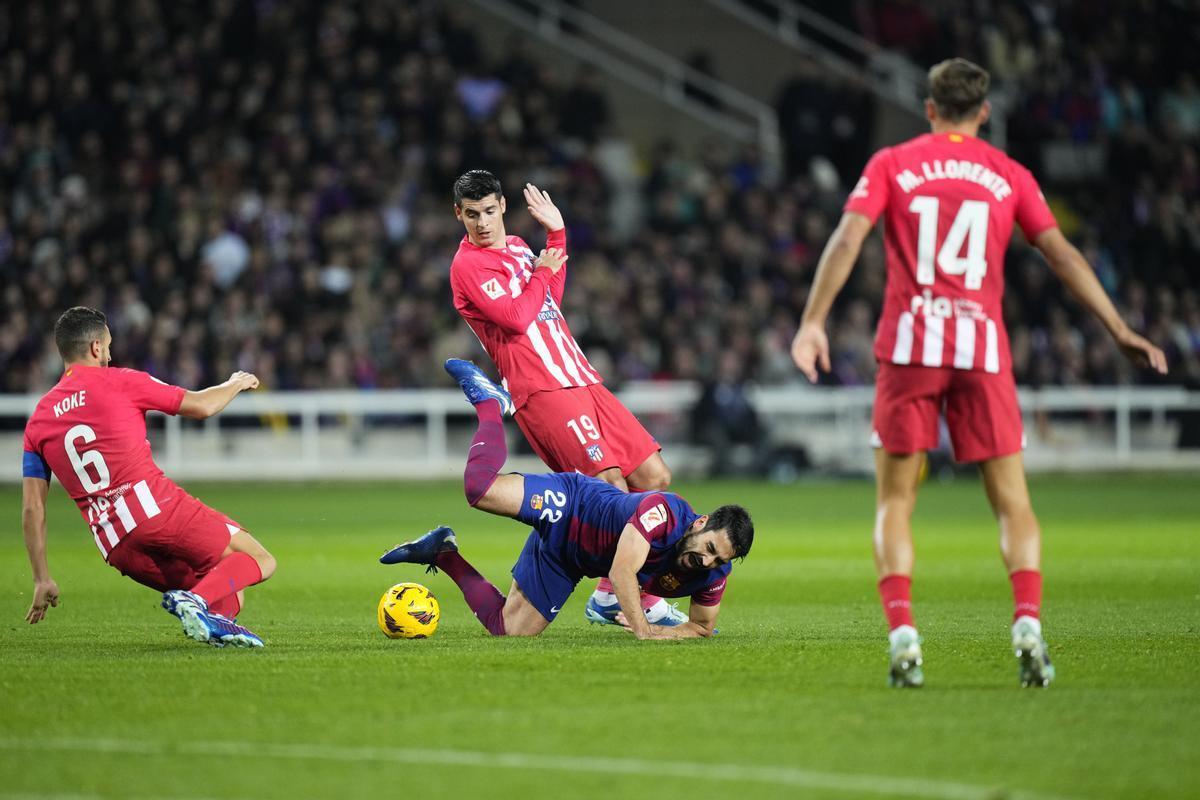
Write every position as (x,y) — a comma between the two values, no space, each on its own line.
(88,458)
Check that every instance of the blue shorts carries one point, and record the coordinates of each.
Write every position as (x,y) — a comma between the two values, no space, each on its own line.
(540,570)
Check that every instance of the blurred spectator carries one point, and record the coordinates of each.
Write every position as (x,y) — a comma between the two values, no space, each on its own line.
(265,186)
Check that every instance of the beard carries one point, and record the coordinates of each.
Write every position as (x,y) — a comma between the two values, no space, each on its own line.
(684,560)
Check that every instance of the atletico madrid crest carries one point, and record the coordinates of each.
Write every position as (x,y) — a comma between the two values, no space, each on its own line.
(595,453)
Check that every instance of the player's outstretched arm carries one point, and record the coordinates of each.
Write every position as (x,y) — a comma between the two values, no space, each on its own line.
(1073,270)
(632,550)
(810,347)
(207,402)
(33,521)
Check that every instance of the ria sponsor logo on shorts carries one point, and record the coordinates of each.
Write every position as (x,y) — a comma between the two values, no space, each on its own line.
(654,518)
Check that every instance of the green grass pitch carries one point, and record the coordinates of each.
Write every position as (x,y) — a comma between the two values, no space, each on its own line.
(107,699)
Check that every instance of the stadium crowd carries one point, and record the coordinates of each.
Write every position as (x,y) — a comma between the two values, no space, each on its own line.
(266,186)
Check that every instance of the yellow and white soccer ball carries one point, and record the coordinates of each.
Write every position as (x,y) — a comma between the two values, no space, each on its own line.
(408,611)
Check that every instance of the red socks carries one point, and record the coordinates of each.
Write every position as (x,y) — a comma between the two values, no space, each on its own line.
(1027,593)
(232,573)
(227,606)
(488,452)
(483,598)
(896,593)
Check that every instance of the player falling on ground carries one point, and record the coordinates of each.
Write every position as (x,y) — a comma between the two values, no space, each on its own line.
(90,432)
(582,527)
(512,303)
(950,201)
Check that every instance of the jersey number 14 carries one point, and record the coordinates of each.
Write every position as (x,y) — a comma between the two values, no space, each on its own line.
(970,225)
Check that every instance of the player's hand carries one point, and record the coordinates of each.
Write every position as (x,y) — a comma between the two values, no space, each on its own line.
(45,594)
(656,631)
(552,258)
(542,208)
(810,349)
(1141,351)
(244,380)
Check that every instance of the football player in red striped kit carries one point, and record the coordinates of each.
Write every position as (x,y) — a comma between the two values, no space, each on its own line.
(512,302)
(89,431)
(950,201)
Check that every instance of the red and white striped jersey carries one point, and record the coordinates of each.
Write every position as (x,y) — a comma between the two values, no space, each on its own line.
(90,431)
(950,202)
(514,310)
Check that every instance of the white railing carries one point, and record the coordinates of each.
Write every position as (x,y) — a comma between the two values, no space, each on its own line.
(646,68)
(425,433)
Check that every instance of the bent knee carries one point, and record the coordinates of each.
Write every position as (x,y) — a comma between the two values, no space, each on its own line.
(658,480)
(266,564)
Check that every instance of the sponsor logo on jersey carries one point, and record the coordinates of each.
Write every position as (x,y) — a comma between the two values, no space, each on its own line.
(595,453)
(535,502)
(653,518)
(493,289)
(669,582)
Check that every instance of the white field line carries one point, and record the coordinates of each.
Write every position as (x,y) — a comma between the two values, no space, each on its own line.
(738,773)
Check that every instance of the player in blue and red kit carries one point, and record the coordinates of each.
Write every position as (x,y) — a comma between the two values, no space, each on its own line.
(582,527)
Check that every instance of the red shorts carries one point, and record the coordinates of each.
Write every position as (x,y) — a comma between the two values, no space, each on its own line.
(980,408)
(177,552)
(585,429)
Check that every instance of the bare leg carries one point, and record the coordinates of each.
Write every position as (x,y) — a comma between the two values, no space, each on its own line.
(652,475)
(243,542)
(1020,535)
(520,617)
(503,498)
(896,479)
(613,476)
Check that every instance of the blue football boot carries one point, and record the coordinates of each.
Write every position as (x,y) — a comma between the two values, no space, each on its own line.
(599,614)
(424,550)
(206,626)
(224,631)
(668,616)
(477,386)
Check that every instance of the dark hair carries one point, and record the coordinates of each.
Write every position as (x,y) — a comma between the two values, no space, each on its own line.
(735,521)
(476,185)
(77,328)
(958,87)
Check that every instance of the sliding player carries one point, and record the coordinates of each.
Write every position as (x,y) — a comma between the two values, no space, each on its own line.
(512,303)
(582,527)
(950,201)
(90,432)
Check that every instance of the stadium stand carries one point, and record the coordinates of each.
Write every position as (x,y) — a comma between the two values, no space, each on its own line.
(265,186)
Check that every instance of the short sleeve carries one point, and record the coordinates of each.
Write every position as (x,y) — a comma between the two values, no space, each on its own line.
(34,466)
(870,195)
(149,393)
(653,518)
(711,595)
(1032,213)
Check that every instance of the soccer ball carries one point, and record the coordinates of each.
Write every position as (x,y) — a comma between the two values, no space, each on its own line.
(408,611)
